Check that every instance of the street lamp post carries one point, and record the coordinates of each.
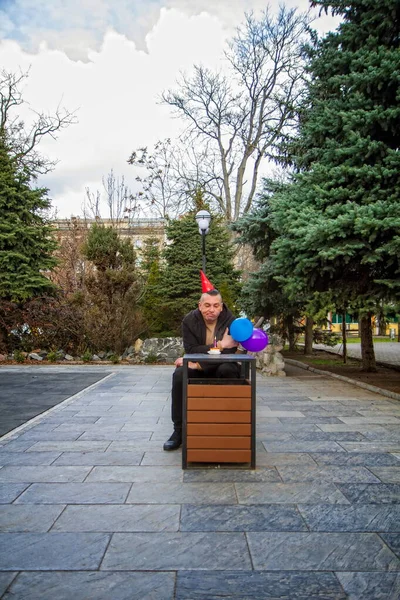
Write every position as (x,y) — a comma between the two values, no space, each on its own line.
(203,219)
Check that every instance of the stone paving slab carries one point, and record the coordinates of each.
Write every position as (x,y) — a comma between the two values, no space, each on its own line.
(258,586)
(17,445)
(5,581)
(142,474)
(364,518)
(177,551)
(51,551)
(289,493)
(159,458)
(318,518)
(383,436)
(88,585)
(74,446)
(266,517)
(387,474)
(98,458)
(139,436)
(371,586)
(393,541)
(274,459)
(178,493)
(43,474)
(374,420)
(363,429)
(231,475)
(335,436)
(356,459)
(286,427)
(360,493)
(33,518)
(119,518)
(305,446)
(371,446)
(10,491)
(312,420)
(74,493)
(320,552)
(327,473)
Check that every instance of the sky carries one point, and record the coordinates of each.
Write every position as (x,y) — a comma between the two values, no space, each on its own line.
(110,60)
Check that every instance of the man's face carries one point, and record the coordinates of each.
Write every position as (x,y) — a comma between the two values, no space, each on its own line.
(210,307)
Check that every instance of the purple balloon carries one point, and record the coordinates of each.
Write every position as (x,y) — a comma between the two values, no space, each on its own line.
(257,342)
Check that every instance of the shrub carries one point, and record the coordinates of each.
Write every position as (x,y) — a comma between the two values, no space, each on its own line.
(151,359)
(87,356)
(329,338)
(45,322)
(19,356)
(52,356)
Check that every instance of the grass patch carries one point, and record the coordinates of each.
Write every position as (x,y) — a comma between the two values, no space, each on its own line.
(377,340)
(327,362)
(357,340)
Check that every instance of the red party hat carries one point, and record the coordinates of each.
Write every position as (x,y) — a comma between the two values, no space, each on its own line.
(206,285)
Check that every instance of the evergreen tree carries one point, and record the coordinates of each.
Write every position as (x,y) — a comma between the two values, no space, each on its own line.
(150,254)
(112,316)
(151,269)
(339,223)
(26,240)
(180,288)
(263,294)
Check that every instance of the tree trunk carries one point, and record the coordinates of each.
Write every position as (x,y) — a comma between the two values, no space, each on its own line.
(291,333)
(382,325)
(382,322)
(259,322)
(344,337)
(367,344)
(308,341)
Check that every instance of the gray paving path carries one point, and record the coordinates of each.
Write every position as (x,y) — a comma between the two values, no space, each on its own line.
(91,507)
(385,352)
(25,395)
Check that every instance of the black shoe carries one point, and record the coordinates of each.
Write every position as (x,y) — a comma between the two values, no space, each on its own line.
(174,442)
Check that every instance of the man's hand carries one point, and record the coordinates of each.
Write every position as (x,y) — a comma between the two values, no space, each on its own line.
(179,363)
(227,341)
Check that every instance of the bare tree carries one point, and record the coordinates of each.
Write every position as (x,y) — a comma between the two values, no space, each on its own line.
(165,189)
(22,140)
(235,120)
(72,268)
(120,201)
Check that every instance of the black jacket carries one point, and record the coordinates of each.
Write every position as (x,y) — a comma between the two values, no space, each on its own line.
(194,332)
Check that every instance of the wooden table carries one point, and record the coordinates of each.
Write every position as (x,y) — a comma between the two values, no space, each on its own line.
(219,415)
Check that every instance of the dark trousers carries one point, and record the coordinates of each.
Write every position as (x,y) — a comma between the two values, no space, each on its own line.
(221,371)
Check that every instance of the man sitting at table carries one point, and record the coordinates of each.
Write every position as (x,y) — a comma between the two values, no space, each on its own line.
(201,328)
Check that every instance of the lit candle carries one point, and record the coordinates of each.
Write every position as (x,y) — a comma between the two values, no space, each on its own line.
(215,342)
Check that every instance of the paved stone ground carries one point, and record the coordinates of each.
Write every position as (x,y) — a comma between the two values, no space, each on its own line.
(91,507)
(385,352)
(23,396)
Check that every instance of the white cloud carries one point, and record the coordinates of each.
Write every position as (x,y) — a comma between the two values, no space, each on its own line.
(78,26)
(91,55)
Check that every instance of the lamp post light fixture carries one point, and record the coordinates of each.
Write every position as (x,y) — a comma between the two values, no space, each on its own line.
(203,219)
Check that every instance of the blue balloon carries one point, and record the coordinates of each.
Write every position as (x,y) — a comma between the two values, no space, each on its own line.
(241,329)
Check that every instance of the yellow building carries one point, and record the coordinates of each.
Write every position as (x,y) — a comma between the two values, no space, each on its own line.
(334,323)
(136,229)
